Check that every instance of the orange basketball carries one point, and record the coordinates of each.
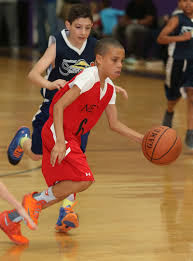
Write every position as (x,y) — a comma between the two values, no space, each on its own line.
(161,145)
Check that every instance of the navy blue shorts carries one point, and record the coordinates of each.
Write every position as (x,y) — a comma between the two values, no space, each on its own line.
(38,122)
(179,73)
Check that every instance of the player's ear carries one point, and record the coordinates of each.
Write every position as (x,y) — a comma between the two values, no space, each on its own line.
(68,25)
(98,58)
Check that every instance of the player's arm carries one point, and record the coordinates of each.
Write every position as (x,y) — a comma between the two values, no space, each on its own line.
(122,91)
(36,75)
(6,195)
(59,149)
(147,21)
(165,37)
(117,126)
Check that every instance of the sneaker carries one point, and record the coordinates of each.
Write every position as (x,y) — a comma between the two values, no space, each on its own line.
(12,229)
(189,139)
(167,120)
(67,220)
(15,152)
(32,207)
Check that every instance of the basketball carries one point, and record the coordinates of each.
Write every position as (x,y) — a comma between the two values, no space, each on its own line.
(161,145)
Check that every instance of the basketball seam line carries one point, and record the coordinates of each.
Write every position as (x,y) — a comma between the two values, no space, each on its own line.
(168,150)
(157,142)
(150,156)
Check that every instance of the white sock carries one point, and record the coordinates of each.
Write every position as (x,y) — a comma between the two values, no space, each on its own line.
(71,197)
(46,195)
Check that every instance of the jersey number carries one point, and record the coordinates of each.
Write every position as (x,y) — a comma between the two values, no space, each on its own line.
(81,129)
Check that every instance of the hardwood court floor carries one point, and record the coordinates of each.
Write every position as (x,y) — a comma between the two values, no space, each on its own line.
(135,211)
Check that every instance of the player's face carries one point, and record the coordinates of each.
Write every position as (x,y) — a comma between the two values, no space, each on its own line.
(111,62)
(187,6)
(79,30)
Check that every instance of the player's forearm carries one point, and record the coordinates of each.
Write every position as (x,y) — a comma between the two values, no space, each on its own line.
(58,123)
(127,132)
(38,80)
(146,21)
(169,39)
(59,108)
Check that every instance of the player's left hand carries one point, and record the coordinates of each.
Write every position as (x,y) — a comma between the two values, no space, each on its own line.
(122,91)
(58,152)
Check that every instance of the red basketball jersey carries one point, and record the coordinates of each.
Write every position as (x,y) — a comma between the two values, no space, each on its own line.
(80,116)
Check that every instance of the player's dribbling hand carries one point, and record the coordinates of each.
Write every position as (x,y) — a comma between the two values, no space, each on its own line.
(121,91)
(23,213)
(58,152)
(58,84)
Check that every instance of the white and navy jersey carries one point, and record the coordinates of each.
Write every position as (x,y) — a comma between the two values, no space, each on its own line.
(182,50)
(69,60)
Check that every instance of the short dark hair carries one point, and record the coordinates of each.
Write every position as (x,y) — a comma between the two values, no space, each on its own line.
(79,11)
(103,45)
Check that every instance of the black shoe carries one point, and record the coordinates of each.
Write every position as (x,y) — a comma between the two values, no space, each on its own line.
(167,120)
(189,139)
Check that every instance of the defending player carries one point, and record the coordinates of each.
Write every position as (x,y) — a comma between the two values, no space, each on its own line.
(75,109)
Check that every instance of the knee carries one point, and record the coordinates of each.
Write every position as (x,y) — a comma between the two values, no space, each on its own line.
(85,185)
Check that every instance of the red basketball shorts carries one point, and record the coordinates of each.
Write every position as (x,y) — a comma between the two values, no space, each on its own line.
(74,166)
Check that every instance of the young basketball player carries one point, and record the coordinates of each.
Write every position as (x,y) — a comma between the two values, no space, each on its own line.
(6,195)
(69,52)
(179,69)
(75,109)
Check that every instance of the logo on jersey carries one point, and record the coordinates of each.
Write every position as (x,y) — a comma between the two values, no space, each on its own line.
(81,128)
(186,29)
(73,66)
(89,108)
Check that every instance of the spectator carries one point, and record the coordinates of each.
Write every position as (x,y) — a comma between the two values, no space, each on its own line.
(63,14)
(109,17)
(135,25)
(8,13)
(96,29)
(46,12)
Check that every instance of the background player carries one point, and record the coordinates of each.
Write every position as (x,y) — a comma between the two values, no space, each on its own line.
(179,68)
(69,117)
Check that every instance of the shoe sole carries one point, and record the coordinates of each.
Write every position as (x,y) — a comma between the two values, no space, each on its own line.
(68,223)
(15,241)
(11,161)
